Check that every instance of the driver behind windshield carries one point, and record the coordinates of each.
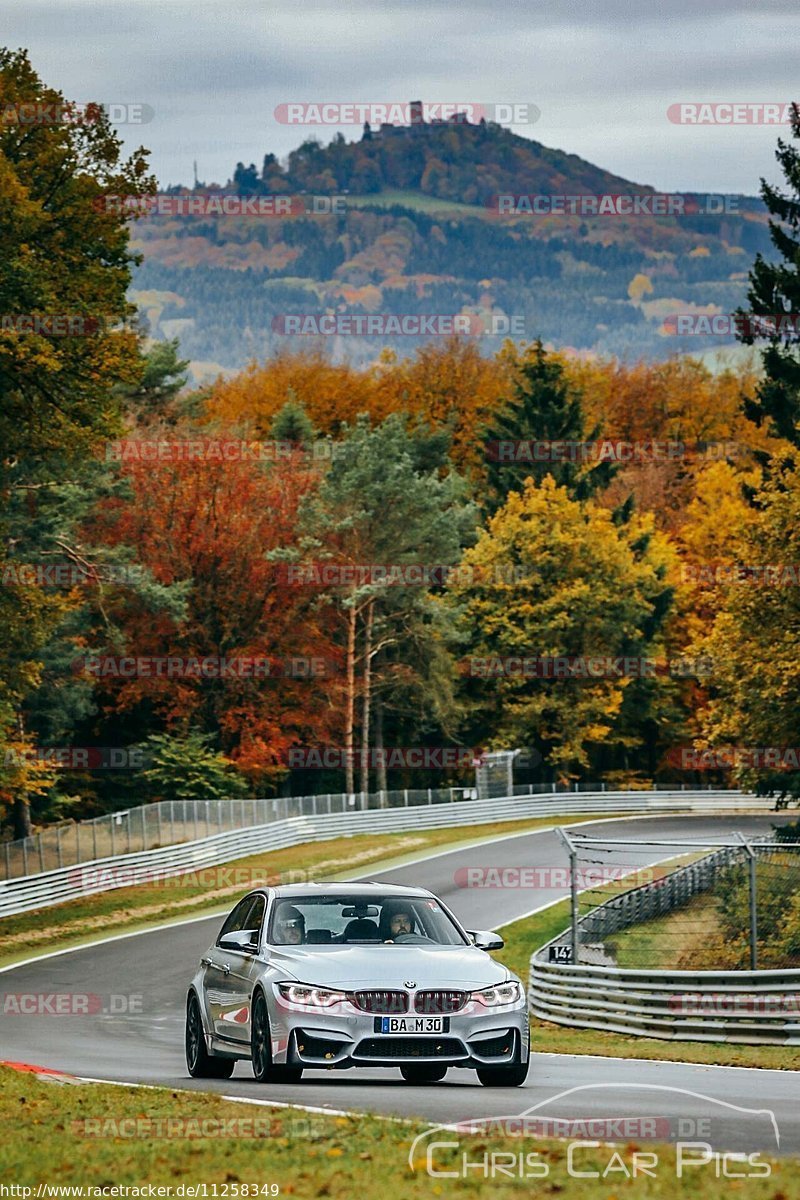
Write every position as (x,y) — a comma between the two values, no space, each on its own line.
(395,921)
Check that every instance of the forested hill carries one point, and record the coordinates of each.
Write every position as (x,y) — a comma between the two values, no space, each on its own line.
(450,160)
(406,225)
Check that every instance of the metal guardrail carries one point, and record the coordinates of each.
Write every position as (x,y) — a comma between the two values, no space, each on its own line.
(112,871)
(700,1006)
(169,822)
(749,1007)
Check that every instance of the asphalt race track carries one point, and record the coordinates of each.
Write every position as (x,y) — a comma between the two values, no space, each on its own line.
(147,1046)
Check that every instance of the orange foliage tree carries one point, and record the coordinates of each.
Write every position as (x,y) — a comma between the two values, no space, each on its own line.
(332,394)
(212,524)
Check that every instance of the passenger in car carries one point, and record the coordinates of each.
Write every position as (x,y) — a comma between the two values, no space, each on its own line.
(290,926)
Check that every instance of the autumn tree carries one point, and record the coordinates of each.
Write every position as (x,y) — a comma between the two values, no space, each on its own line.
(451,386)
(210,522)
(689,416)
(65,335)
(755,698)
(331,394)
(382,507)
(552,578)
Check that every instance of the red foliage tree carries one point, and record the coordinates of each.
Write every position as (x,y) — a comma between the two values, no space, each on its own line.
(212,523)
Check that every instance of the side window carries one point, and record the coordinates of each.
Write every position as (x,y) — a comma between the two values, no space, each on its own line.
(237,918)
(255,916)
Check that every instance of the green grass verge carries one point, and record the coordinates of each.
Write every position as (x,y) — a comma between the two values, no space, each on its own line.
(415,200)
(660,942)
(94,1135)
(214,888)
(523,937)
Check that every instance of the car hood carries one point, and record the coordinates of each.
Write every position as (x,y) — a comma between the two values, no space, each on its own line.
(389,967)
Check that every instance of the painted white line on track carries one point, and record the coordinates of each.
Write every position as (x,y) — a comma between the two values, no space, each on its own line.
(311,1108)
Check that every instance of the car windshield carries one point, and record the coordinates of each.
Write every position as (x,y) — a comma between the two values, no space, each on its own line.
(382,919)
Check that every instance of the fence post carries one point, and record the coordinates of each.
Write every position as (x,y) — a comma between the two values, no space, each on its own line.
(128,827)
(159,833)
(94,838)
(58,846)
(172,821)
(41,852)
(196,826)
(144,827)
(405,797)
(25,856)
(112,826)
(751,854)
(77,841)
(573,891)
(430,799)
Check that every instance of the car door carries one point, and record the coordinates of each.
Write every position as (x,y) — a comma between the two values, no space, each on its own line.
(231,974)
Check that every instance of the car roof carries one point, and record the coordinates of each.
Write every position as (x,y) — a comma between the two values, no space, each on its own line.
(307,891)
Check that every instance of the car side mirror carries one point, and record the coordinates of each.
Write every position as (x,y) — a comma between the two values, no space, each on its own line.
(486,939)
(244,940)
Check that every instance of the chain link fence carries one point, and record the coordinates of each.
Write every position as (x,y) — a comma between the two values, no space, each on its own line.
(683,905)
(170,822)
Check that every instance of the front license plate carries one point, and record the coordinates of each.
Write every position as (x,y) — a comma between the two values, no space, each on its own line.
(412,1024)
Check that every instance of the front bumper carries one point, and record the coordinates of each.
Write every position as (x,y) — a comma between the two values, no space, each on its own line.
(342,1039)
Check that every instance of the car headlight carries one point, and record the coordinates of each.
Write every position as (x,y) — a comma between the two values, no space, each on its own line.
(310,997)
(503,993)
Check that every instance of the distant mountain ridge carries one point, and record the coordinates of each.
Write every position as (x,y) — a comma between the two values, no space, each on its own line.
(451,160)
(413,232)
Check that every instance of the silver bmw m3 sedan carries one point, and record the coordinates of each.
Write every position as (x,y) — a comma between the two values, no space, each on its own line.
(331,976)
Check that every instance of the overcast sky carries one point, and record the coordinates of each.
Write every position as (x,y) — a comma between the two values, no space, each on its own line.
(602,73)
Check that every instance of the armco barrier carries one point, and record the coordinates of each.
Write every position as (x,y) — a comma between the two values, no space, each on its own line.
(169,822)
(698,1006)
(69,883)
(749,1007)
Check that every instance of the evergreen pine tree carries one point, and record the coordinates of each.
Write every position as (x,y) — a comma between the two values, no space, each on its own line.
(775,289)
(546,407)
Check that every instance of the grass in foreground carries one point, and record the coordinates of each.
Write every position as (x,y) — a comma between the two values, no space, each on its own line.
(96,1135)
(523,937)
(213,888)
